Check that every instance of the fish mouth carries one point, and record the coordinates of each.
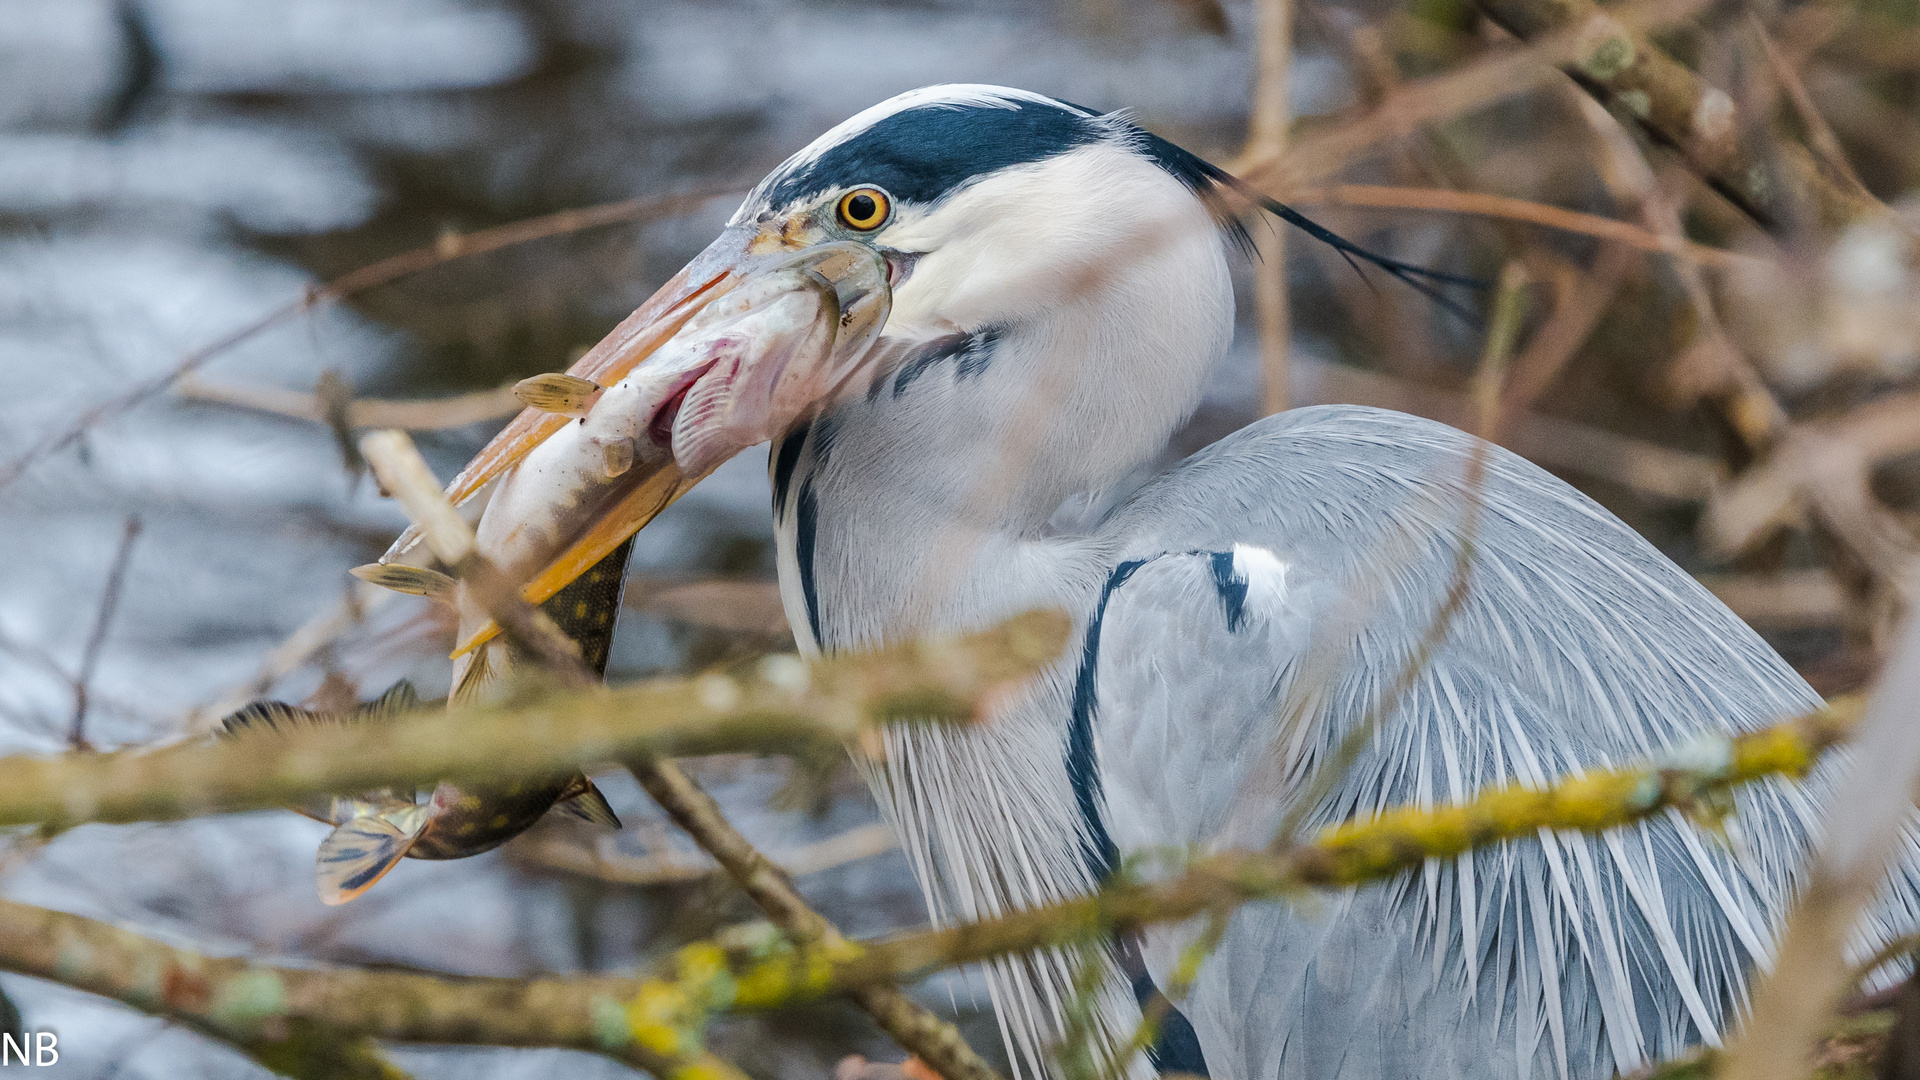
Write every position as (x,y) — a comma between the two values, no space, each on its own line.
(733,350)
(660,427)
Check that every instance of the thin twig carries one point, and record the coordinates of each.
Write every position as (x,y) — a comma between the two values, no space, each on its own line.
(1508,310)
(102,621)
(666,868)
(1267,140)
(1482,204)
(1819,134)
(934,1041)
(424,415)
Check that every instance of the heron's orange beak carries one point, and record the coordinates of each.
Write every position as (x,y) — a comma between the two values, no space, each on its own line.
(743,344)
(710,275)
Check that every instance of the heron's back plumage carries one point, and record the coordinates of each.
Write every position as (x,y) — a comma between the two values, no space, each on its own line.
(1578,645)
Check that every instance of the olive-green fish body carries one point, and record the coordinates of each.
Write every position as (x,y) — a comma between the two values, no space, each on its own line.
(373,831)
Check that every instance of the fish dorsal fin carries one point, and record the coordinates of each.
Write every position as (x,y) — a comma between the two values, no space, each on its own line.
(266,716)
(361,851)
(400,698)
(587,803)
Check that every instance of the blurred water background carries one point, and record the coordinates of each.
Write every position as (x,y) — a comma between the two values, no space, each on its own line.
(172,169)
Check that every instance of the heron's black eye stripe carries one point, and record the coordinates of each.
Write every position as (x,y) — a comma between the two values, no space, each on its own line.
(864,208)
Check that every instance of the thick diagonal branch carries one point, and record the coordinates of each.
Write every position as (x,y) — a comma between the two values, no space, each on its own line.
(1778,185)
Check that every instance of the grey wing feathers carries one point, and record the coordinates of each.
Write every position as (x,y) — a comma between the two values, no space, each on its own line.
(1579,645)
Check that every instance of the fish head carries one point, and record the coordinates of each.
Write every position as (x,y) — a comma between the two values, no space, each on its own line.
(744,343)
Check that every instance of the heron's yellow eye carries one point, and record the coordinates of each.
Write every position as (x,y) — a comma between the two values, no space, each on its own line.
(864,208)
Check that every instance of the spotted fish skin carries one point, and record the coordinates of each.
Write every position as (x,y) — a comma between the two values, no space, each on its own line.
(477,818)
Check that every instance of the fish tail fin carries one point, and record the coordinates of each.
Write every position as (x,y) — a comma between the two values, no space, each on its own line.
(587,803)
(364,847)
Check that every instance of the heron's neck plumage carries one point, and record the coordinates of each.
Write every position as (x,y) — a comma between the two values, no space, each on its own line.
(922,506)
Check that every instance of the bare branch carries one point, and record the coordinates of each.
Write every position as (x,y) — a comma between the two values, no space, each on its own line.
(1482,204)
(1321,152)
(102,620)
(1779,187)
(1267,140)
(1864,818)
(779,705)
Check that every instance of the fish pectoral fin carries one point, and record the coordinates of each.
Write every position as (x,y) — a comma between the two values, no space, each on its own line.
(588,804)
(361,851)
(412,580)
(566,395)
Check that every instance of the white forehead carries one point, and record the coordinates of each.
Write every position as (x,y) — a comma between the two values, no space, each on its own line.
(955,95)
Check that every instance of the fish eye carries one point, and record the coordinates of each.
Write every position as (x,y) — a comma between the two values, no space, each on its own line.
(865,208)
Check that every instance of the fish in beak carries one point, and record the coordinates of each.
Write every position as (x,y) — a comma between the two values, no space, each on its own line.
(737,348)
(731,352)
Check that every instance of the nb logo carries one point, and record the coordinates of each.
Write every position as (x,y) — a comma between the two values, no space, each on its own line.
(29,1048)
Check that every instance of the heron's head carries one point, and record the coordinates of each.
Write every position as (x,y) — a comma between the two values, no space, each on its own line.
(989,211)
(999,207)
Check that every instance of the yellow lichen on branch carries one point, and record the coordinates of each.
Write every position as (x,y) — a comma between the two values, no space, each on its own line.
(1594,802)
(1687,777)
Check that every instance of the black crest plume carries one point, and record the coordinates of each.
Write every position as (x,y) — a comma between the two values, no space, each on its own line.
(1208,180)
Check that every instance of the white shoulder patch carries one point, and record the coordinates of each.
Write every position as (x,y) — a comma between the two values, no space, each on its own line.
(1264,573)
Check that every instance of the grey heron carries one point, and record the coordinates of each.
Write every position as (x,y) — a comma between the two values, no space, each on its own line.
(1059,294)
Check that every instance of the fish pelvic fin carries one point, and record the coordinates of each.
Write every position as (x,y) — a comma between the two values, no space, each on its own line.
(587,803)
(363,848)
